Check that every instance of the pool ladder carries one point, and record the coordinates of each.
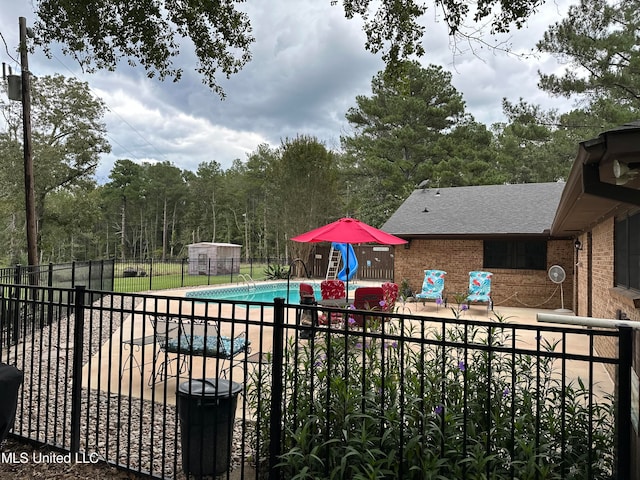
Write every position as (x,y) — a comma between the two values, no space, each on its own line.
(250,282)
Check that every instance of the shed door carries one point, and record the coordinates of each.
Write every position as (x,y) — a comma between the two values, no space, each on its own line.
(202,262)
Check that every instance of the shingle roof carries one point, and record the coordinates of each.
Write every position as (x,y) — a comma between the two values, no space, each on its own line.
(527,208)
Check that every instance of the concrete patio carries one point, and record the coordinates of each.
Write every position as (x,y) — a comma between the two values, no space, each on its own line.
(132,364)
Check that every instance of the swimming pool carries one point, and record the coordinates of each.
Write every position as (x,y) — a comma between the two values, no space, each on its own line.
(262,292)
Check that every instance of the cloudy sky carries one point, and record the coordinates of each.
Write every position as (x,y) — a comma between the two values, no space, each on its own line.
(309,63)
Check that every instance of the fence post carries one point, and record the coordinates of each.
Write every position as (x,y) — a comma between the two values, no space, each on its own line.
(91,285)
(275,423)
(150,274)
(14,309)
(623,415)
(17,275)
(76,388)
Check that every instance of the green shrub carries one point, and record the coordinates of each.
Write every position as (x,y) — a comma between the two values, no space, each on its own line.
(405,289)
(276,272)
(364,408)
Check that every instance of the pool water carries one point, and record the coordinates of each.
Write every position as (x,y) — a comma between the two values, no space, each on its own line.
(261,293)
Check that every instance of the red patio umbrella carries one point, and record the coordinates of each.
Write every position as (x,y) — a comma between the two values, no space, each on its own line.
(348,230)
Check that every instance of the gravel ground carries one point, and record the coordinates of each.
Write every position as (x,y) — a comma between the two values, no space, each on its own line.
(34,468)
(123,433)
(65,470)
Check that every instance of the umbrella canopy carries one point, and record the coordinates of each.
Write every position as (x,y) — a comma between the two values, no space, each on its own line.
(349,230)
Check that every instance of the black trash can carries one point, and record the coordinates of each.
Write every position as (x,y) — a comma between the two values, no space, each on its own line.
(307,317)
(207,411)
(10,380)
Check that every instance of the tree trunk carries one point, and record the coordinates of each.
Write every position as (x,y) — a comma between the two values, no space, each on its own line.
(264,232)
(213,212)
(165,227)
(123,221)
(173,228)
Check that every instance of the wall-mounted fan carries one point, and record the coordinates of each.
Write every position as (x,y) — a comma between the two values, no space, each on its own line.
(558,275)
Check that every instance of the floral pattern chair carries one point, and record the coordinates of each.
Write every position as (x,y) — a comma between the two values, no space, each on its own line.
(332,289)
(433,287)
(391,293)
(333,293)
(480,288)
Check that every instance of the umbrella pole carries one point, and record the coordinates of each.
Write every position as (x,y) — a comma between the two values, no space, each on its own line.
(346,298)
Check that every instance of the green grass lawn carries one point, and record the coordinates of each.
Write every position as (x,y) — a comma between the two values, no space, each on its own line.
(169,275)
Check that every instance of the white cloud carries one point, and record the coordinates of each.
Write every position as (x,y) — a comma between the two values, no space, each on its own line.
(144,131)
(309,63)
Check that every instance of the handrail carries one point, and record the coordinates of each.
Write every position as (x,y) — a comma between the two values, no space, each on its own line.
(586,321)
(291,264)
(246,278)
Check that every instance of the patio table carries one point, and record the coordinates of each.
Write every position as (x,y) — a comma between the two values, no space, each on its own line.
(135,345)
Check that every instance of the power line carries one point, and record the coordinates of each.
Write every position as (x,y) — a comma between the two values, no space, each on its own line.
(135,130)
(6,48)
(111,138)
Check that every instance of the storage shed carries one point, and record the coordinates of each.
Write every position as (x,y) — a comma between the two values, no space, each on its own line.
(207,258)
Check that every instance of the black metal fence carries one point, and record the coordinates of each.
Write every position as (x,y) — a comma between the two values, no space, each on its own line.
(147,275)
(95,274)
(406,397)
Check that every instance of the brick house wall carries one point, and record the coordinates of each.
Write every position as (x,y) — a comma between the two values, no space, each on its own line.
(603,304)
(600,298)
(607,301)
(581,277)
(457,257)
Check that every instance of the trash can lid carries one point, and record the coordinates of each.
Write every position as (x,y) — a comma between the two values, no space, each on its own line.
(210,387)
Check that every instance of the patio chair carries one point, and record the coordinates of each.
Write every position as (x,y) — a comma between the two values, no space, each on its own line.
(433,287)
(391,292)
(333,294)
(480,288)
(306,292)
(367,298)
(195,336)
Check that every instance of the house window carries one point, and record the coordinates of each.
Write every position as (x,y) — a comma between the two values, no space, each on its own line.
(627,252)
(515,254)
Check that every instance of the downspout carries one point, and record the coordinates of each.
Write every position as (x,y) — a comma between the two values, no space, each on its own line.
(589,275)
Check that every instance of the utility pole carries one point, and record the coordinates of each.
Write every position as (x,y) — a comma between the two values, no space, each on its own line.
(30,202)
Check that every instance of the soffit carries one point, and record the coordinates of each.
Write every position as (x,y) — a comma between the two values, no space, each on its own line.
(591,194)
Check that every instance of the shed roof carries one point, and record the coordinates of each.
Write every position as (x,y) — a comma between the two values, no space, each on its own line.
(515,209)
(213,244)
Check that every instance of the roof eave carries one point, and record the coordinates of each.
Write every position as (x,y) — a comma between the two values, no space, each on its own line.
(591,193)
